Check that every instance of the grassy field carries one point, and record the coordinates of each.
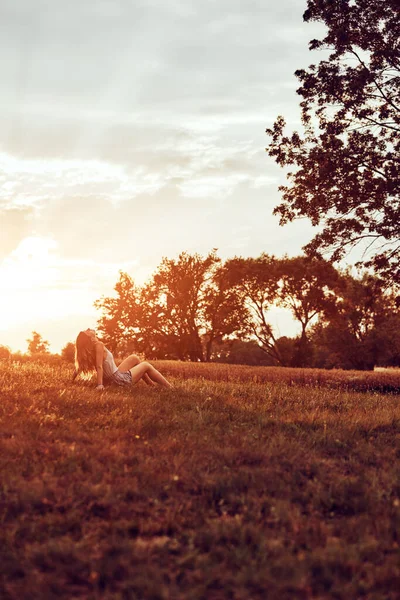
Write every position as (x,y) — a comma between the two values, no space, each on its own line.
(381,380)
(238,484)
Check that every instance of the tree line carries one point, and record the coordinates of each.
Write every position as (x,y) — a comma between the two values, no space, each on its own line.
(203,309)
(38,349)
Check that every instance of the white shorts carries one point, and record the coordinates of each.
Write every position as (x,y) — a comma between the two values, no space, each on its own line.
(121,378)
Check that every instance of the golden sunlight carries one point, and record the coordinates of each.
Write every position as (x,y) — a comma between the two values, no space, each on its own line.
(27,276)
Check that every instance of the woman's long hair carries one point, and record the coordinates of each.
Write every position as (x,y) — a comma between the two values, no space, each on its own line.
(85,353)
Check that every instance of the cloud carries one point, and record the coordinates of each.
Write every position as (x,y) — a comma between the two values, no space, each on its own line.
(94,208)
(15,225)
(76,72)
(130,131)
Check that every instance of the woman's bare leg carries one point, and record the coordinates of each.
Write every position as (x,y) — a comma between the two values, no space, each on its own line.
(148,381)
(145,368)
(131,361)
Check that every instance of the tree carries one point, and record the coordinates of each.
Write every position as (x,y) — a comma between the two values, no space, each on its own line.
(68,352)
(185,308)
(223,310)
(121,314)
(189,306)
(37,345)
(241,352)
(307,287)
(346,176)
(175,305)
(288,350)
(388,341)
(5,353)
(256,281)
(354,335)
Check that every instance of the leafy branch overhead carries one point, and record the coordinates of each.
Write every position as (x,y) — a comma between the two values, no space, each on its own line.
(345,164)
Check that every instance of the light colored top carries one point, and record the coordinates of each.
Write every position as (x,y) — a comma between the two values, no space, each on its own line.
(109,366)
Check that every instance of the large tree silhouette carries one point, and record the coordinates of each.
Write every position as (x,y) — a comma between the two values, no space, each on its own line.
(174,301)
(307,287)
(302,285)
(256,281)
(357,333)
(118,324)
(345,164)
(180,313)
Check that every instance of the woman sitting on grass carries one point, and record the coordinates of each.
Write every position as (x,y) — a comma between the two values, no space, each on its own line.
(91,354)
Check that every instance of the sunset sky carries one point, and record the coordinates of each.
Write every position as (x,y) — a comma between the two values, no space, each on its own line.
(132,130)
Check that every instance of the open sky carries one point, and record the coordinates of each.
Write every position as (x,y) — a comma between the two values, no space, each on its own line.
(132,130)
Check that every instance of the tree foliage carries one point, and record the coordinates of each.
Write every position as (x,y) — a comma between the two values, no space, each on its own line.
(301,284)
(200,309)
(357,333)
(256,281)
(307,288)
(346,162)
(118,324)
(175,301)
(68,352)
(241,352)
(183,310)
(223,311)
(5,352)
(37,345)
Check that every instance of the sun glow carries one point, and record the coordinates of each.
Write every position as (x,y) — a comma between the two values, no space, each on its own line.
(31,285)
(42,291)
(30,265)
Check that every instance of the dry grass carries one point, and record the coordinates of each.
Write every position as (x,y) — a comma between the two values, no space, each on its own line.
(380,380)
(227,487)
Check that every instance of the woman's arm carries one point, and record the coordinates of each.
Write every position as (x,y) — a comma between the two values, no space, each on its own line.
(99,364)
